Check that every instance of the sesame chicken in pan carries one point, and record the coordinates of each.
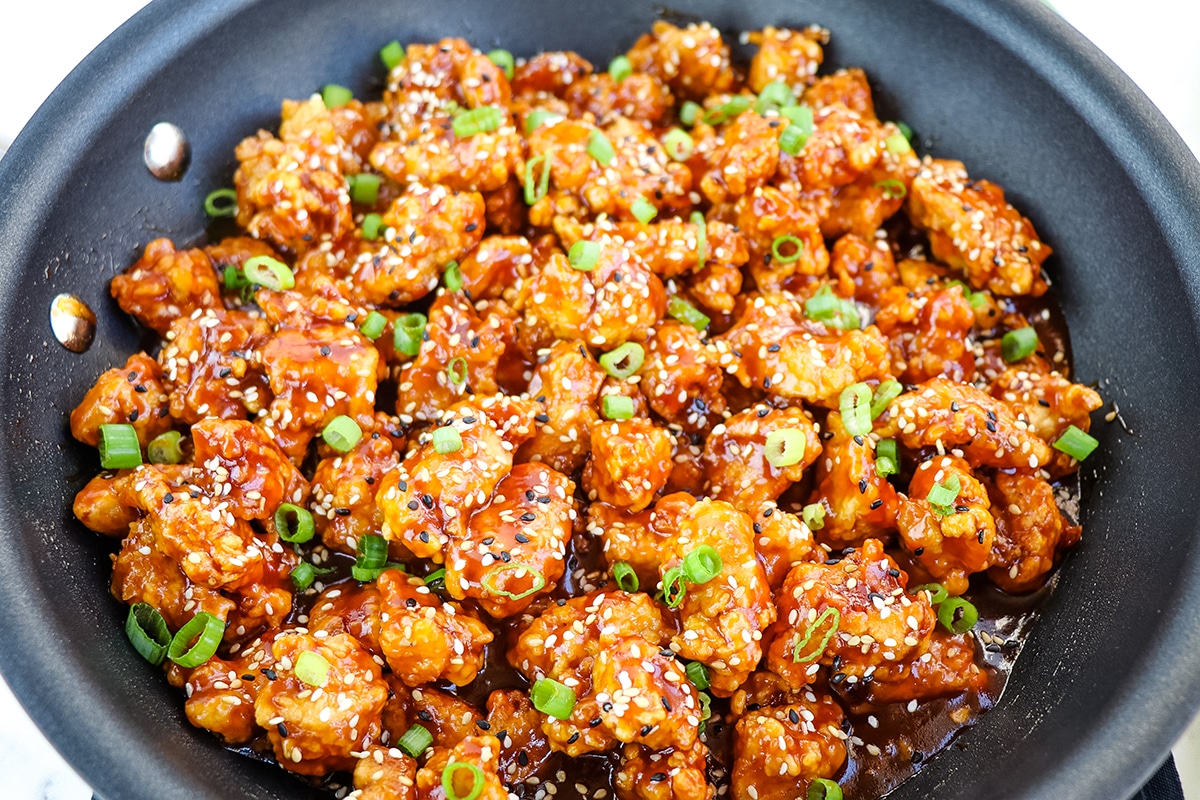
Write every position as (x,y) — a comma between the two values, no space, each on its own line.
(668,431)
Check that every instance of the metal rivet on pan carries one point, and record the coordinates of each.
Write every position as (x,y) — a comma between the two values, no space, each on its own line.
(166,152)
(73,323)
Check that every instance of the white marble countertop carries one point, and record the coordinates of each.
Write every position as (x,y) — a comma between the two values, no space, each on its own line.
(42,42)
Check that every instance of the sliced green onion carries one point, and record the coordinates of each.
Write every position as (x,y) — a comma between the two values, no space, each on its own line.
(887,460)
(617,406)
(366,574)
(620,68)
(364,188)
(536,191)
(893,189)
(705,706)
(797,134)
(885,393)
(958,615)
(119,447)
(904,129)
(824,789)
(342,433)
(484,119)
(408,333)
(553,698)
(785,447)
(447,440)
(221,203)
(811,630)
(698,674)
(624,361)
(303,529)
(685,312)
(303,575)
(335,95)
(701,224)
(391,54)
(207,630)
(774,96)
(539,117)
(942,495)
(702,564)
(489,580)
(312,668)
(855,407)
(897,144)
(372,224)
(164,448)
(436,579)
(626,577)
(373,325)
(452,277)
(689,112)
(1076,443)
(234,278)
(504,60)
(643,210)
(673,587)
(416,740)
(269,272)
(977,299)
(729,109)
(813,515)
(937,592)
(678,144)
(584,255)
(600,148)
(1019,344)
(372,551)
(780,241)
(477,781)
(834,312)
(457,371)
(148,632)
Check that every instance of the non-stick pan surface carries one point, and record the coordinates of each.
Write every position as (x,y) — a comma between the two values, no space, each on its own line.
(1109,677)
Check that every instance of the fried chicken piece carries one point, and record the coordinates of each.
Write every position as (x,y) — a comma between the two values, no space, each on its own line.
(693,61)
(949,546)
(314,733)
(790,56)
(165,284)
(1031,532)
(942,413)
(209,365)
(631,462)
(425,639)
(132,395)
(778,750)
(973,228)
(737,466)
(567,383)
(859,503)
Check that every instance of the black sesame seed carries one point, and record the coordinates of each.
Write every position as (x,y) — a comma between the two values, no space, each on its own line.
(917,757)
(424,716)
(427,499)
(521,538)
(523,758)
(595,722)
(991,426)
(858,440)
(402,486)
(658,777)
(140,389)
(646,730)
(469,420)
(962,509)
(283,731)
(773,348)
(270,673)
(919,551)
(505,556)
(488,541)
(424,536)
(483,724)
(325,350)
(757,528)
(607,707)
(793,717)
(168,498)
(838,677)
(411,602)
(247,677)
(753,706)
(768,512)
(895,573)
(876,504)
(528,516)
(762,412)
(954,406)
(862,486)
(666,704)
(370,479)
(543,418)
(471,226)
(133,415)
(413,505)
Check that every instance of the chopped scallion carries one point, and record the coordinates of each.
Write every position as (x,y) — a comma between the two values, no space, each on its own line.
(698,674)
(674,587)
(197,641)
(643,210)
(312,668)
(221,203)
(942,495)
(774,96)
(626,577)
(119,446)
(885,393)
(702,564)
(1018,344)
(408,333)
(728,110)
(477,781)
(539,117)
(1076,443)
(364,188)
(813,515)
(447,440)
(372,225)
(797,134)
(893,188)
(552,698)
(583,255)
(797,249)
(887,460)
(536,190)
(811,631)
(164,448)
(416,740)
(335,96)
(484,119)
(855,407)
(786,447)
(937,592)
(342,433)
(957,615)
(685,312)
(391,54)
(600,148)
(269,272)
(689,112)
(504,60)
(301,531)
(148,632)
(457,371)
(620,68)
(824,789)
(833,311)
(452,277)
(624,361)
(617,406)
(679,144)
(373,325)
(521,570)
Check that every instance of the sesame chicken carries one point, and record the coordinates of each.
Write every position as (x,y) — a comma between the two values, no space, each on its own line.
(972,228)
(317,722)
(133,394)
(425,639)
(792,57)
(515,546)
(165,284)
(600,522)
(672,774)
(209,365)
(858,502)
(1031,532)
(630,464)
(779,749)
(738,464)
(385,773)
(481,752)
(954,540)
(944,414)
(1050,402)
(693,61)
(773,345)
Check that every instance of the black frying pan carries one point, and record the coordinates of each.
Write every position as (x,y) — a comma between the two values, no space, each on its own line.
(1108,679)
